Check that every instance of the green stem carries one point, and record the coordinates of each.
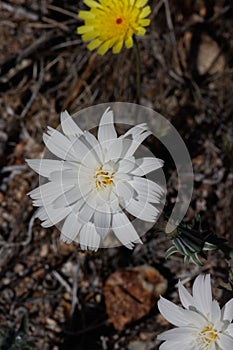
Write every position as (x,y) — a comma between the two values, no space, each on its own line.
(138,70)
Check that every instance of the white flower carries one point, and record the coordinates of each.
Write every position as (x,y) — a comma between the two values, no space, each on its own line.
(93,181)
(202,324)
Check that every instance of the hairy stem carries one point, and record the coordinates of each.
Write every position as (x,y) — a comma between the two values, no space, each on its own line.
(138,70)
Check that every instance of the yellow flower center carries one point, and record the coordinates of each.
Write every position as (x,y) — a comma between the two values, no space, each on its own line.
(208,335)
(103,178)
(117,25)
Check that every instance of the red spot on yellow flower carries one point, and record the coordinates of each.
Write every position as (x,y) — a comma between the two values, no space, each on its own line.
(119,20)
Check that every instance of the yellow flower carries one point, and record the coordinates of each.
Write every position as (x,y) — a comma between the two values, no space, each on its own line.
(112,23)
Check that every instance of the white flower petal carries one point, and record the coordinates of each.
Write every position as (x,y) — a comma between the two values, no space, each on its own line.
(185,298)
(70,228)
(229,329)
(47,193)
(136,142)
(69,127)
(91,139)
(86,213)
(124,190)
(147,190)
(94,145)
(102,221)
(104,198)
(227,311)
(215,312)
(59,144)
(124,230)
(98,201)
(100,197)
(135,131)
(104,201)
(126,165)
(149,197)
(89,238)
(225,341)
(113,202)
(69,197)
(114,150)
(178,316)
(146,165)
(85,174)
(213,346)
(51,216)
(45,166)
(84,155)
(171,345)
(77,206)
(126,144)
(168,345)
(142,210)
(106,131)
(147,186)
(202,294)
(171,312)
(184,334)
(122,177)
(66,177)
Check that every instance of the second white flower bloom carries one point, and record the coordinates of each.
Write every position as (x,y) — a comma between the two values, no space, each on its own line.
(202,325)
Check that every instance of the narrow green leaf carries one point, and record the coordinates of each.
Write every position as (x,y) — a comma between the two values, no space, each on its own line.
(170,251)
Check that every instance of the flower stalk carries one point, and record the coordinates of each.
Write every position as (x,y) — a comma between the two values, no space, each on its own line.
(138,70)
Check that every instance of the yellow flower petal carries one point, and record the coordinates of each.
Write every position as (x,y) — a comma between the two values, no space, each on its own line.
(141,31)
(86,15)
(91,3)
(89,36)
(144,22)
(145,12)
(105,3)
(94,44)
(104,47)
(141,3)
(84,29)
(129,42)
(117,47)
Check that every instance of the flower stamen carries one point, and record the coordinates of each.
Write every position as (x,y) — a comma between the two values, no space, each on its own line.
(103,178)
(208,335)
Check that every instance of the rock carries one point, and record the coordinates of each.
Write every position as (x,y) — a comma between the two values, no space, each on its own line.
(210,59)
(131,293)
